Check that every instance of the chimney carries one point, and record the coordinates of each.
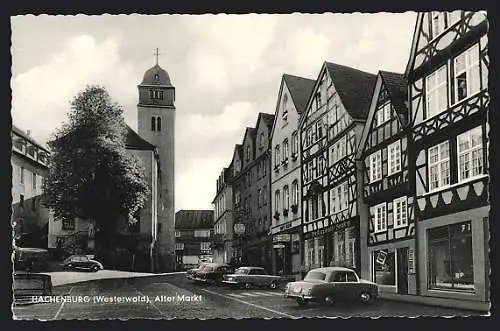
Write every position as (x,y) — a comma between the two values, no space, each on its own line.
(28,132)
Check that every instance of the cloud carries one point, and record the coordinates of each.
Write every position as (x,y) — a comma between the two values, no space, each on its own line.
(41,95)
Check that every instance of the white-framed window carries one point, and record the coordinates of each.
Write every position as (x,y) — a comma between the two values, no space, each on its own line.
(470,154)
(285,149)
(205,246)
(439,165)
(400,212)
(295,192)
(248,152)
(338,150)
(262,140)
(309,134)
(375,166)
(202,233)
(277,155)
(339,198)
(277,198)
(177,234)
(286,197)
(295,142)
(309,168)
(467,79)
(179,246)
(383,113)
(319,129)
(436,92)
(321,166)
(33,181)
(380,217)
(394,152)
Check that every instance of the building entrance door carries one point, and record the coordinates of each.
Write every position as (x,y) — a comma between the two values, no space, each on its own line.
(402,270)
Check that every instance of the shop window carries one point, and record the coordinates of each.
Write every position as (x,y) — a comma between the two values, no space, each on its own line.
(450,257)
(385,267)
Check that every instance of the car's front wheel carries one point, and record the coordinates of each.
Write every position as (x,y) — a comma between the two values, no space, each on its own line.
(95,268)
(366,297)
(248,286)
(273,285)
(302,302)
(329,300)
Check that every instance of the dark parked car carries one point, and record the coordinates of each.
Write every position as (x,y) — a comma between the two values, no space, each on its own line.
(330,284)
(211,273)
(249,277)
(28,285)
(82,262)
(31,259)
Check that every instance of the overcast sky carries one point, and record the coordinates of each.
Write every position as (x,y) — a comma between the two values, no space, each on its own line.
(226,69)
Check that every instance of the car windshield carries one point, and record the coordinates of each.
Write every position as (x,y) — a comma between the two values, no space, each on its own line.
(315,275)
(241,271)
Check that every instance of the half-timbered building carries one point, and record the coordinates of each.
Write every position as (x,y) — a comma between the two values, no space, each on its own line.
(251,187)
(448,92)
(330,131)
(386,191)
(286,208)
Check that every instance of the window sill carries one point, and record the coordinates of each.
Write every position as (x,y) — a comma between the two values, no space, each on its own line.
(447,187)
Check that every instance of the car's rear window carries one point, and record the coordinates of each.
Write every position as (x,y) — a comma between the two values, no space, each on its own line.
(315,275)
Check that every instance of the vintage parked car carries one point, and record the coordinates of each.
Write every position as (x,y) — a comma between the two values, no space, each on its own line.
(31,259)
(211,273)
(190,272)
(330,284)
(27,285)
(82,262)
(249,277)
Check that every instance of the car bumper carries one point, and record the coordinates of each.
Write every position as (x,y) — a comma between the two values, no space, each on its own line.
(230,282)
(297,296)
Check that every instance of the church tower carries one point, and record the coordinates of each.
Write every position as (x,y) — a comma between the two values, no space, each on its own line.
(156,124)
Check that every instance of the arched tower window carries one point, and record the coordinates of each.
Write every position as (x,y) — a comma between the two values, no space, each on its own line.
(158,124)
(153,123)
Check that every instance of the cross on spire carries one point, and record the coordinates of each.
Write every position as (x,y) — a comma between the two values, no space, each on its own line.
(156,53)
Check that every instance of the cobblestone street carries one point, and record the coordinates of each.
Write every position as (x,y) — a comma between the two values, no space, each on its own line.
(175,297)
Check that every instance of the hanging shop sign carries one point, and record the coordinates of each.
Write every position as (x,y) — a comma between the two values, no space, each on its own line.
(281,238)
(278,246)
(239,228)
(411,261)
(381,256)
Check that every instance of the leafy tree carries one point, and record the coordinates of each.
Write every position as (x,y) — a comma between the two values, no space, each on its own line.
(91,174)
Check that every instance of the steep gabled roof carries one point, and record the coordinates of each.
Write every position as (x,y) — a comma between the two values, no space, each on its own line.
(355,88)
(267,118)
(397,87)
(194,219)
(414,42)
(395,84)
(300,90)
(134,141)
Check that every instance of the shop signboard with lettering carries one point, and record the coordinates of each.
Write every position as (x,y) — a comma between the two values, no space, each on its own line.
(281,238)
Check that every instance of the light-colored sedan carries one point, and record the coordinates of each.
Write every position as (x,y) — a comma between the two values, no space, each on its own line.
(330,284)
(249,277)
